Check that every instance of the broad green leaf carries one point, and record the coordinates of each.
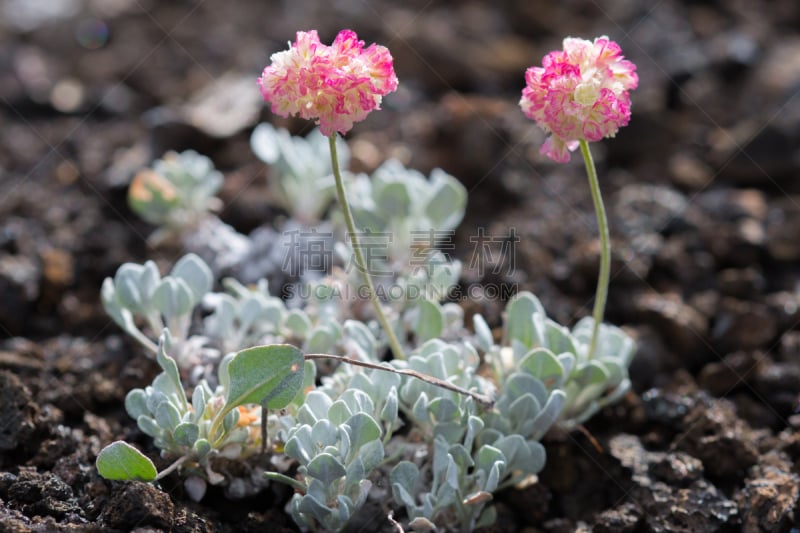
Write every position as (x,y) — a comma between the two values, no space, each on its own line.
(267,375)
(122,462)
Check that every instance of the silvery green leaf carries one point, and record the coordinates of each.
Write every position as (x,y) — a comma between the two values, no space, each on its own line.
(371,454)
(264,144)
(267,375)
(223,374)
(199,400)
(111,304)
(393,199)
(616,373)
(524,409)
(121,461)
(443,410)
(430,321)
(126,285)
(489,435)
(390,408)
(549,414)
(451,432)
(488,456)
(559,339)
(420,409)
(487,518)
(324,433)
(403,479)
(136,403)
(446,493)
(362,382)
(383,381)
(170,367)
(446,206)
(591,373)
(362,429)
(543,365)
(298,323)
(196,274)
(167,416)
(186,434)
(318,404)
(344,508)
(300,445)
(440,459)
(453,315)
(343,445)
(339,412)
(230,420)
(325,468)
(519,384)
(474,426)
(154,397)
(312,506)
(201,447)
(361,334)
(483,333)
(173,297)
(528,456)
(364,487)
(519,318)
(355,473)
(149,280)
(567,361)
(148,426)
(445,274)
(321,340)
(461,457)
(493,480)
(249,312)
(357,400)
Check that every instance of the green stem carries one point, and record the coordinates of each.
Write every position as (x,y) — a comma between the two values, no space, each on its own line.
(605,248)
(360,263)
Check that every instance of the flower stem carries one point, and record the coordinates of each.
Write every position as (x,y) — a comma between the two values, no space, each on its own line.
(359,257)
(605,248)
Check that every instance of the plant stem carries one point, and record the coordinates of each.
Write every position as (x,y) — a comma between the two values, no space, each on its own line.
(360,263)
(605,249)
(171,468)
(480,398)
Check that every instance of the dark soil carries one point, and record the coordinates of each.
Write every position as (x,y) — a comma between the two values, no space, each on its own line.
(702,189)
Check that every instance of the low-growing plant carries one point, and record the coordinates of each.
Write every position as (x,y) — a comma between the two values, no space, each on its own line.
(453,416)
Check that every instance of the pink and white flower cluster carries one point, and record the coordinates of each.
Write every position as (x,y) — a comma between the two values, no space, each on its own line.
(579,93)
(334,85)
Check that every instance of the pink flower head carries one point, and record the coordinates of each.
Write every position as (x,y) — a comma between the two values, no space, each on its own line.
(334,85)
(579,93)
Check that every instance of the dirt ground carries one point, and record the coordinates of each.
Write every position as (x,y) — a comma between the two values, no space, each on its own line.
(702,192)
